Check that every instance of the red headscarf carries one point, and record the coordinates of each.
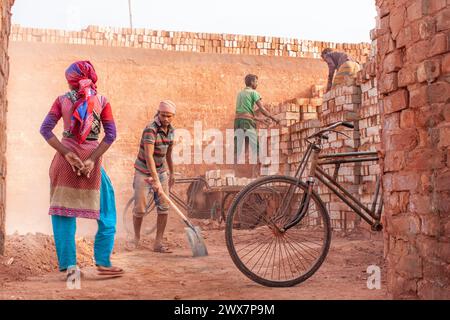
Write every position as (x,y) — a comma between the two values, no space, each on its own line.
(82,77)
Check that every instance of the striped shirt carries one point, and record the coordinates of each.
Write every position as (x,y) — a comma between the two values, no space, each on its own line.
(154,134)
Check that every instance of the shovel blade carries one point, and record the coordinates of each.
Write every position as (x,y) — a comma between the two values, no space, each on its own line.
(196,242)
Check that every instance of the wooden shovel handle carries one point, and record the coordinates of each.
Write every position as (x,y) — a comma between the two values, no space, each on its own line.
(173,205)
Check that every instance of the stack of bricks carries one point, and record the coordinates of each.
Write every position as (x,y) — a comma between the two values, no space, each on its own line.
(225,177)
(188,41)
(369,130)
(291,113)
(298,133)
(5,9)
(342,103)
(413,74)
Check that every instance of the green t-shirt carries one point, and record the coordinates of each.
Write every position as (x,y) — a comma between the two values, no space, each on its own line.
(245,101)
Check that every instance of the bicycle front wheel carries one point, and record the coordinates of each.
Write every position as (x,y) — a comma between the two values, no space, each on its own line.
(255,243)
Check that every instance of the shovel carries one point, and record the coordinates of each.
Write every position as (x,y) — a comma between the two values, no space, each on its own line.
(193,233)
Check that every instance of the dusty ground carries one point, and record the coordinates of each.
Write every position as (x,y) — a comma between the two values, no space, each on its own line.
(28,271)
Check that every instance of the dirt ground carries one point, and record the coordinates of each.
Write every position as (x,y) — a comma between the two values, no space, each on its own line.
(29,271)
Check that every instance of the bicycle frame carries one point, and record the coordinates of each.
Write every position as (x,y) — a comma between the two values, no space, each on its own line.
(371,215)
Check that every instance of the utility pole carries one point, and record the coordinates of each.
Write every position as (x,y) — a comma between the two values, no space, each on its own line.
(131,17)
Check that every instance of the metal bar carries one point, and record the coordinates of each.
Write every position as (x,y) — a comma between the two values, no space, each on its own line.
(348,154)
(336,171)
(345,192)
(336,192)
(377,191)
(354,160)
(129,11)
(179,201)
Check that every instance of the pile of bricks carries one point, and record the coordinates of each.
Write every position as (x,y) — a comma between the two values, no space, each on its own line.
(225,177)
(342,103)
(369,130)
(188,41)
(291,113)
(298,133)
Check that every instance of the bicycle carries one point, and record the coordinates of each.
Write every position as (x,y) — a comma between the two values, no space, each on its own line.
(189,205)
(278,230)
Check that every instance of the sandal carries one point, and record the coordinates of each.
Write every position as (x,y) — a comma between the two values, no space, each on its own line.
(109,271)
(162,249)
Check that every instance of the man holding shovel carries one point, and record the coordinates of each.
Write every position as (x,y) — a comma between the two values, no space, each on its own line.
(154,163)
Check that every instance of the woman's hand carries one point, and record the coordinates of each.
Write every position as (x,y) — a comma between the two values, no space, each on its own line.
(75,162)
(88,167)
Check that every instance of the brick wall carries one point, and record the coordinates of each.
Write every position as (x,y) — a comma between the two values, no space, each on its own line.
(413,80)
(188,41)
(5,9)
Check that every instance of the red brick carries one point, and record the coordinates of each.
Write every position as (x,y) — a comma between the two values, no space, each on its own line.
(393,61)
(418,97)
(430,221)
(446,64)
(443,20)
(405,225)
(404,140)
(425,159)
(446,112)
(428,71)
(407,119)
(407,75)
(427,28)
(414,11)
(404,37)
(397,21)
(396,101)
(430,117)
(438,92)
(443,182)
(444,136)
(385,44)
(394,161)
(419,204)
(431,6)
(438,45)
(418,52)
(391,122)
(388,82)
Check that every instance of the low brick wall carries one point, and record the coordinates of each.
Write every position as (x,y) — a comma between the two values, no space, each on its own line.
(188,41)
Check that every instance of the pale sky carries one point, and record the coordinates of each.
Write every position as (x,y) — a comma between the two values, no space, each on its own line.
(322,20)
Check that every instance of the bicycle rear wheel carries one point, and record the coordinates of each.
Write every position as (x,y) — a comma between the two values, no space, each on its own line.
(149,222)
(263,253)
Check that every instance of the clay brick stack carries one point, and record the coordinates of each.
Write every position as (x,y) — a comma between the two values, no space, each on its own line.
(293,113)
(188,41)
(341,104)
(225,177)
(369,130)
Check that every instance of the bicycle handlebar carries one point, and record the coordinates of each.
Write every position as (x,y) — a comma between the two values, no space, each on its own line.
(331,127)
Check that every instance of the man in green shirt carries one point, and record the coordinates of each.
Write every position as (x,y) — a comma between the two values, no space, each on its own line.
(245,118)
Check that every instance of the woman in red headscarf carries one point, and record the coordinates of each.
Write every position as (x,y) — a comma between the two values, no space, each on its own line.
(79,186)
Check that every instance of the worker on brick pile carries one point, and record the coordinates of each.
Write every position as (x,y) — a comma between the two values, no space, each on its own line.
(245,117)
(79,186)
(154,172)
(340,63)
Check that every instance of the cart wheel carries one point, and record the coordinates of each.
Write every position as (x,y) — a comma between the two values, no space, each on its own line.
(196,199)
(149,222)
